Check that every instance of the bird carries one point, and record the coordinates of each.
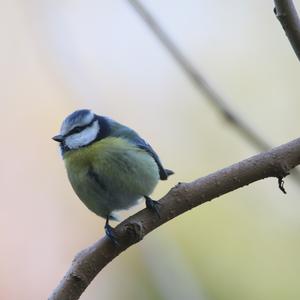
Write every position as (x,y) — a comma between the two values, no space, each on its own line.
(109,166)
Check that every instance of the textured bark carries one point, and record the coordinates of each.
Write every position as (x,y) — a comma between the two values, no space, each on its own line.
(286,13)
(183,197)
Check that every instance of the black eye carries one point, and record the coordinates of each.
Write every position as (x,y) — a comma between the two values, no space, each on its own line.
(75,130)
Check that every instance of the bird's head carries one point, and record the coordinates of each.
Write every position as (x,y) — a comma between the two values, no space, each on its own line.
(78,129)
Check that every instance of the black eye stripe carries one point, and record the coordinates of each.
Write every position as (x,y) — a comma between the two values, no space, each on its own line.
(78,129)
(103,133)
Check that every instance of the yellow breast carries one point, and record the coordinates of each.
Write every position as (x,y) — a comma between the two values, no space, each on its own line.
(125,171)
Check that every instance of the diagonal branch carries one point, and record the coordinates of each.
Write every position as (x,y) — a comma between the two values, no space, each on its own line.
(201,83)
(185,196)
(286,13)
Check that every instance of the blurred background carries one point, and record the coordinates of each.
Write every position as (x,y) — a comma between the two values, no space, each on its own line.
(58,56)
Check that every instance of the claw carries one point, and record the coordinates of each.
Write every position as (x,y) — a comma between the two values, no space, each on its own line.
(110,232)
(152,205)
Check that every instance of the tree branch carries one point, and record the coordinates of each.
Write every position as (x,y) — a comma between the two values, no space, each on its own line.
(286,13)
(183,197)
(201,83)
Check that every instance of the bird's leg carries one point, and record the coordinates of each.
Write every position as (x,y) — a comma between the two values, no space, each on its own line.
(152,205)
(110,232)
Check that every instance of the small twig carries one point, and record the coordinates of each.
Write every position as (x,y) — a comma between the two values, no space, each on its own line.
(281,184)
(286,13)
(89,262)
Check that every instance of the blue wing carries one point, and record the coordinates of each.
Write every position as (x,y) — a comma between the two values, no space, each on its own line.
(163,173)
(119,130)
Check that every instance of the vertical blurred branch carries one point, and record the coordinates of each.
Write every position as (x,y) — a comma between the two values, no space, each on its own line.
(286,13)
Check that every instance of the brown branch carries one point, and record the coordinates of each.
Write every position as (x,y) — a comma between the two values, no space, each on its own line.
(201,83)
(286,13)
(89,262)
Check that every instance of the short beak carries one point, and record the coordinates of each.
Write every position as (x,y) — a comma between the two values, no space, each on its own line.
(58,138)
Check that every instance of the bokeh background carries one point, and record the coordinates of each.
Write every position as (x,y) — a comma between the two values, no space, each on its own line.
(58,56)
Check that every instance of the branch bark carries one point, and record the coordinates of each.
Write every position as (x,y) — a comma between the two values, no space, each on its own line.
(286,13)
(183,197)
(220,102)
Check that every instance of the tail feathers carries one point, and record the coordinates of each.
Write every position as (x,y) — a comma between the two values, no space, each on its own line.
(165,174)
(169,172)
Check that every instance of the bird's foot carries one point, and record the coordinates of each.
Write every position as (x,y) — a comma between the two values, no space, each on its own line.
(152,205)
(110,232)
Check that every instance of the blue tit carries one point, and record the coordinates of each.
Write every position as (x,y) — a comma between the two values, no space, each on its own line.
(110,167)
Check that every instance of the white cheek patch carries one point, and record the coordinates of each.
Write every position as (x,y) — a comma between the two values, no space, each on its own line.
(84,137)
